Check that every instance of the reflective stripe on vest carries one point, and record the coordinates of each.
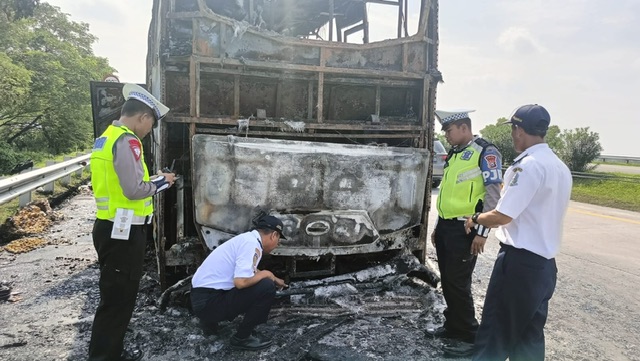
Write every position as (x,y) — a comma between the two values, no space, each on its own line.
(107,192)
(462,184)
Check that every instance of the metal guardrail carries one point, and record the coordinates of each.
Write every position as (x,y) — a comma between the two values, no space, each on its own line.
(605,176)
(20,184)
(618,159)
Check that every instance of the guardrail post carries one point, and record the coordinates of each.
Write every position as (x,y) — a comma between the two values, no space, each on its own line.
(79,171)
(66,180)
(49,187)
(24,198)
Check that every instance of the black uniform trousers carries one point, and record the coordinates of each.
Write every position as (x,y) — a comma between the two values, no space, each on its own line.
(515,308)
(121,264)
(456,264)
(212,306)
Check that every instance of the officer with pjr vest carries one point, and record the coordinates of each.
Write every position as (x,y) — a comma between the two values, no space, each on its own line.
(471,183)
(123,192)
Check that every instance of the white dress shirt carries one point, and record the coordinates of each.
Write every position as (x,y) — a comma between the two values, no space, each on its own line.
(536,193)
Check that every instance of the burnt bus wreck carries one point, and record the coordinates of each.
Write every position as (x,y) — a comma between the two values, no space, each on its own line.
(273,110)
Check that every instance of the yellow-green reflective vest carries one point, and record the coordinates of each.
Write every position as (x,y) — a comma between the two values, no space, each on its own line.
(104,180)
(462,183)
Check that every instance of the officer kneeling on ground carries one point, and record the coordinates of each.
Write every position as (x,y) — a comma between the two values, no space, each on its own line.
(228,283)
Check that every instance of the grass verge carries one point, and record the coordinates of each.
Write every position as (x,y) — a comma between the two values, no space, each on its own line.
(614,193)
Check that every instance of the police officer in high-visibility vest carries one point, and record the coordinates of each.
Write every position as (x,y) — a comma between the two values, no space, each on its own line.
(123,192)
(470,183)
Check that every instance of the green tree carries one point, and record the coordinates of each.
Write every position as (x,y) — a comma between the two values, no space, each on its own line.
(500,136)
(14,84)
(17,9)
(8,158)
(580,148)
(440,136)
(53,56)
(553,139)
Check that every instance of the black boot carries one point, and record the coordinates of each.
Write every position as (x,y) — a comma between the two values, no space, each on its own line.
(441,332)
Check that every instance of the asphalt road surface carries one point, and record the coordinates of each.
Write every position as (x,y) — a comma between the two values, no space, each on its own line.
(595,311)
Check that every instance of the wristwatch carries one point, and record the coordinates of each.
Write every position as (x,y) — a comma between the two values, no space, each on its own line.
(474,218)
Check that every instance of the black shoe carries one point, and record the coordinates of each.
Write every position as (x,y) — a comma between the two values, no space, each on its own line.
(131,355)
(440,332)
(250,343)
(458,350)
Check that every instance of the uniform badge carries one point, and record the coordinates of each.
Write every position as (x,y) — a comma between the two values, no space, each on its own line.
(492,161)
(516,175)
(136,148)
(256,257)
(466,155)
(99,143)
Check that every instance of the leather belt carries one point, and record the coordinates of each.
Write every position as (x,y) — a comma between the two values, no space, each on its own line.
(463,219)
(139,220)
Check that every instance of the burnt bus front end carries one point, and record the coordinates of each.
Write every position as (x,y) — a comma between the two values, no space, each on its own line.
(274,111)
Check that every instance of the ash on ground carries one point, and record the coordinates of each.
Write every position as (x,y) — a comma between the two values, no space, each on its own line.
(377,314)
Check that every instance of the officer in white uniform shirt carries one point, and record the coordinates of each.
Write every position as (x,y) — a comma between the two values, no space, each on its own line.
(530,216)
(228,283)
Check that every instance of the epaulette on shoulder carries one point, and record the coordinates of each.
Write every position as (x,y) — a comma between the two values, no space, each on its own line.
(483,142)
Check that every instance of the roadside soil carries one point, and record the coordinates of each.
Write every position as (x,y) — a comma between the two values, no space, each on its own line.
(54,295)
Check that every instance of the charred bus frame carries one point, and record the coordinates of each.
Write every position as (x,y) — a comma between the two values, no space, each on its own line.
(237,67)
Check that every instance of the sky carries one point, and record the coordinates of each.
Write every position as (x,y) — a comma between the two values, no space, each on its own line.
(579,59)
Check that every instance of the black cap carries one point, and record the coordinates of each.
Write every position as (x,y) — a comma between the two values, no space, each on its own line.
(533,118)
(270,222)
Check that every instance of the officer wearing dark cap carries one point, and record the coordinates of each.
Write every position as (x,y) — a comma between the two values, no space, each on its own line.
(470,183)
(228,283)
(529,217)
(123,192)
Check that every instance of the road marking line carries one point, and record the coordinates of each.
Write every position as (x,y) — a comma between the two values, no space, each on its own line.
(604,216)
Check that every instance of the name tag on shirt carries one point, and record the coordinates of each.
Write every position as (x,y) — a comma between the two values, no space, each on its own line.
(122,224)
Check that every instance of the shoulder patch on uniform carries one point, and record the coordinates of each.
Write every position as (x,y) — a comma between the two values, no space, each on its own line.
(136,148)
(256,257)
(492,161)
(491,166)
(99,143)
(516,175)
